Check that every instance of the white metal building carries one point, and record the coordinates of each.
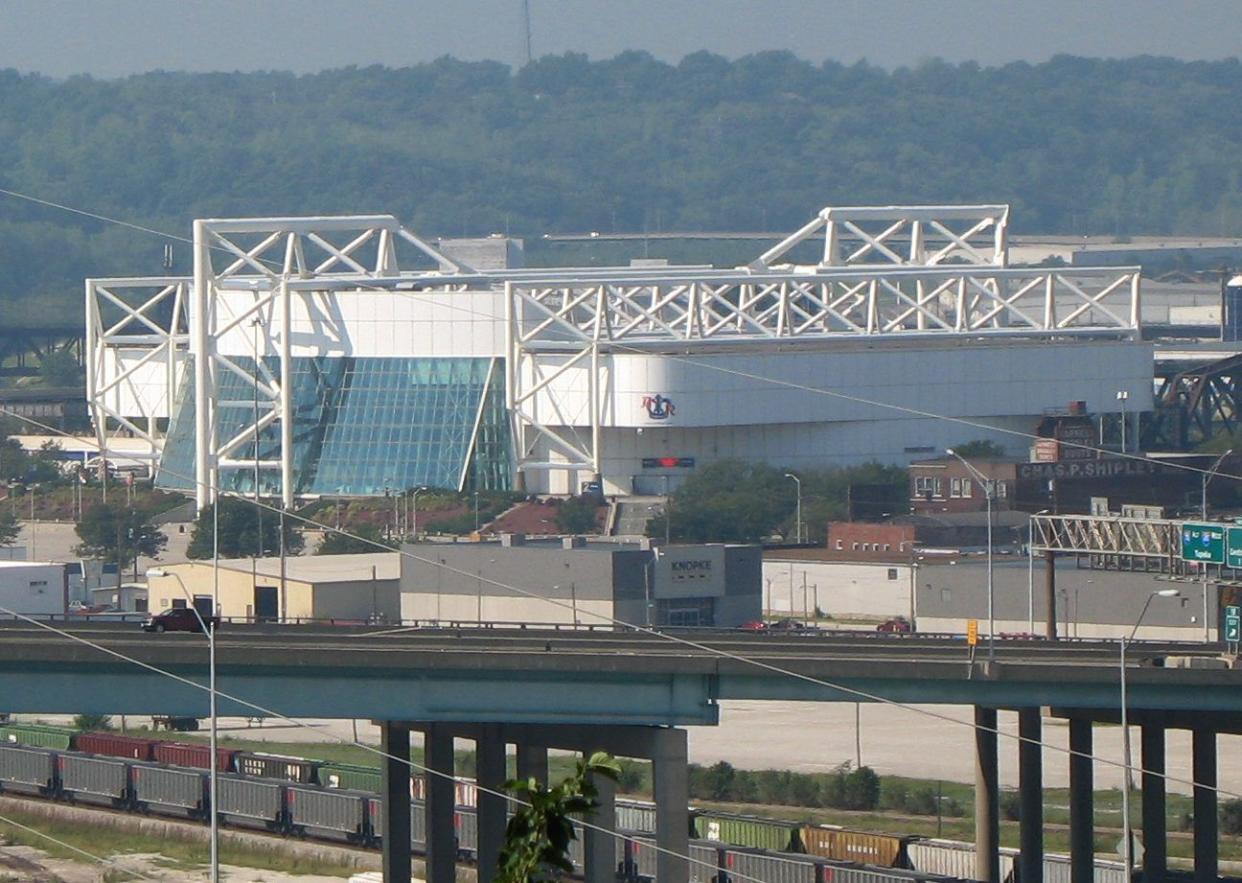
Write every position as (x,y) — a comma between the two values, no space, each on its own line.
(347,356)
(35,588)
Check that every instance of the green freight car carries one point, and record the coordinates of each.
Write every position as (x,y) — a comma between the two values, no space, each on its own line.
(351,776)
(759,833)
(38,736)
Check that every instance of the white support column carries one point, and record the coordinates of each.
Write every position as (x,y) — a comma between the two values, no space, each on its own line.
(286,396)
(595,418)
(201,348)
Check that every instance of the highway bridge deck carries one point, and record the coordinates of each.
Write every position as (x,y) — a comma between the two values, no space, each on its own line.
(535,675)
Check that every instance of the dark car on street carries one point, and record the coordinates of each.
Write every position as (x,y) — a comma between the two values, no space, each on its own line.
(178,619)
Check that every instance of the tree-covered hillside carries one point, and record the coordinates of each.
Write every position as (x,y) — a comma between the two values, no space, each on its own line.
(1144,145)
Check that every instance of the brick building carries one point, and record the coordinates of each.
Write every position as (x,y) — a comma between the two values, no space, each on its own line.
(864,541)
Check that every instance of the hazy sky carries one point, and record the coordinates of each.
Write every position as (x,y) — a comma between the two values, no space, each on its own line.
(116,37)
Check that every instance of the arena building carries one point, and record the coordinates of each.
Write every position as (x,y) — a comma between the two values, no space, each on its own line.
(346,356)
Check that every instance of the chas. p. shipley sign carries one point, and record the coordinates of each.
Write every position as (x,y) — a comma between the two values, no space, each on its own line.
(1114,468)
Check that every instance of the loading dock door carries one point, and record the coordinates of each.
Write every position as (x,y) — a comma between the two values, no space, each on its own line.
(266,604)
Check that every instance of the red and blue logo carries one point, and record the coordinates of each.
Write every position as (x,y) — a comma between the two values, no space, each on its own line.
(659,407)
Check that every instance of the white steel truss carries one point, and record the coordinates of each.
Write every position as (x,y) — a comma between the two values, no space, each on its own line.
(262,256)
(887,236)
(133,327)
(948,279)
(556,325)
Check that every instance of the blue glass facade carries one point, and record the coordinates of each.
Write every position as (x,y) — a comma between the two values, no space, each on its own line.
(362,426)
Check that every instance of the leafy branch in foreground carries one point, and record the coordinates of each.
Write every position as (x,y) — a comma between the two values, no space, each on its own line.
(538,836)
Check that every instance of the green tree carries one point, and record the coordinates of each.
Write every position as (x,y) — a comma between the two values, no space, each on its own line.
(365,538)
(59,368)
(577,515)
(87,722)
(537,838)
(240,524)
(115,532)
(10,527)
(979,449)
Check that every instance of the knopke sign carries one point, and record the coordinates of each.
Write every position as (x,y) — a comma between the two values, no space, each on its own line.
(1116,468)
(691,572)
(1204,543)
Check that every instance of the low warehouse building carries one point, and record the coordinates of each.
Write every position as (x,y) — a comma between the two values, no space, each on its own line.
(575,581)
(33,587)
(314,587)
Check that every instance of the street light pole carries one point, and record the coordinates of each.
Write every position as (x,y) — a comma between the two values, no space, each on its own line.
(988,491)
(210,632)
(798,524)
(1127,834)
(1207,476)
(1122,396)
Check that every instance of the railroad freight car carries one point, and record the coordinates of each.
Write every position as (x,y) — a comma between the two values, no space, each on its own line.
(88,779)
(169,791)
(196,755)
(952,858)
(251,803)
(115,745)
(354,777)
(276,766)
(418,824)
(38,735)
(639,858)
(843,844)
(330,813)
(751,831)
(27,771)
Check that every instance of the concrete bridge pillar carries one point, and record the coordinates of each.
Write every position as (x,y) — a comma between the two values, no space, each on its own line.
(600,843)
(1155,846)
(1203,765)
(1082,801)
(490,772)
(987,798)
(441,805)
(672,795)
(395,743)
(1031,795)
(532,761)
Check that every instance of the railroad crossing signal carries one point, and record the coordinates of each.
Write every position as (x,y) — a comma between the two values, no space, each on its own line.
(1204,543)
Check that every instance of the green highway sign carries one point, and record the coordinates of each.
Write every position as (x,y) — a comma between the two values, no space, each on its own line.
(1204,543)
(1233,624)
(1233,547)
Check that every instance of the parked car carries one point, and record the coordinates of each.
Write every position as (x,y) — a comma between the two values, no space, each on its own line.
(177,619)
(755,625)
(897,625)
(787,625)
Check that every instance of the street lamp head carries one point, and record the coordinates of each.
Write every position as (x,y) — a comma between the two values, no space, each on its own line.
(950,452)
(156,572)
(1169,593)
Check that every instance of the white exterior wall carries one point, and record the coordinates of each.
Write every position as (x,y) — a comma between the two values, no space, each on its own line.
(146,390)
(375,323)
(740,412)
(33,588)
(841,589)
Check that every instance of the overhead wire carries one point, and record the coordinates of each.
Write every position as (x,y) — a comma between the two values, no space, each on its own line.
(361,286)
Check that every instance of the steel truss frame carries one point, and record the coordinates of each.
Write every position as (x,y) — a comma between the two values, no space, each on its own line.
(903,235)
(557,324)
(558,320)
(134,315)
(265,255)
